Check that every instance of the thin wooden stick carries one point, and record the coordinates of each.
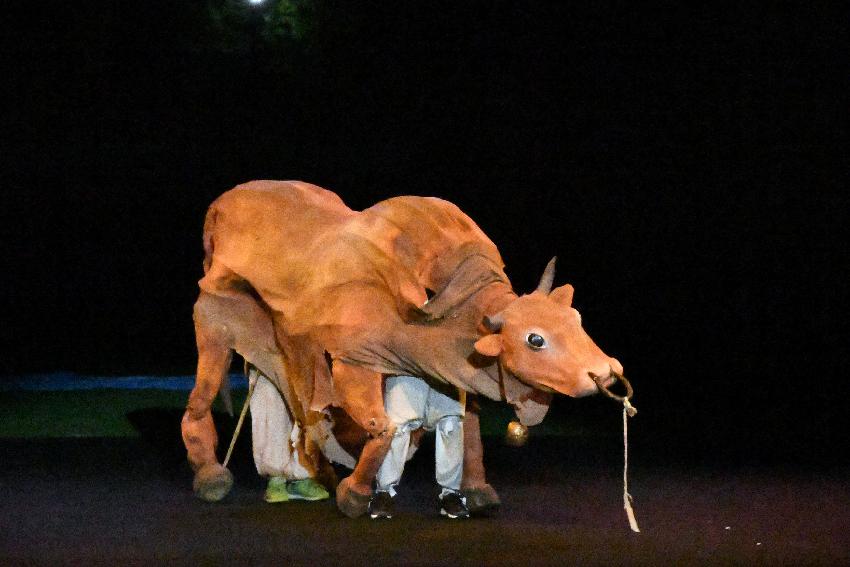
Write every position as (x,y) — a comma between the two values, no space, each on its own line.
(241,419)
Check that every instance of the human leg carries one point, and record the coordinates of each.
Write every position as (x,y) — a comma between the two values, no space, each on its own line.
(275,441)
(448,453)
(404,401)
(445,414)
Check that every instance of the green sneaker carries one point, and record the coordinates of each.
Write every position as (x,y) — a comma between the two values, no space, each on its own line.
(276,490)
(306,489)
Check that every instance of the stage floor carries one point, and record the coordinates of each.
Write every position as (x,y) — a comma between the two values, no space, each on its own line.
(128,501)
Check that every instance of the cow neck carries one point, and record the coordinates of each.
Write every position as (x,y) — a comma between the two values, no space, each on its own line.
(444,349)
(490,300)
(495,298)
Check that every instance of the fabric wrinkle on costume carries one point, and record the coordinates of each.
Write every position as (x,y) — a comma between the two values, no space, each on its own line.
(410,403)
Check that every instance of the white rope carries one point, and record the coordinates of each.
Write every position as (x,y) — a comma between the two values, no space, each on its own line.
(628,410)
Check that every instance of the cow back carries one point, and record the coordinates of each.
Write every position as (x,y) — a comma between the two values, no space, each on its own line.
(427,236)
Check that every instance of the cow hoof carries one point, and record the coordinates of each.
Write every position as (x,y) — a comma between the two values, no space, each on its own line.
(482,500)
(212,482)
(351,499)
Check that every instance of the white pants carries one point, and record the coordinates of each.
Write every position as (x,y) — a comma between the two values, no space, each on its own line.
(410,404)
(275,436)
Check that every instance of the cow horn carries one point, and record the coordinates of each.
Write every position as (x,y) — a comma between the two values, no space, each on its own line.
(545,285)
(495,323)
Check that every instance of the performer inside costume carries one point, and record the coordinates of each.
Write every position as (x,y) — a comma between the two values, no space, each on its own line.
(276,439)
(411,403)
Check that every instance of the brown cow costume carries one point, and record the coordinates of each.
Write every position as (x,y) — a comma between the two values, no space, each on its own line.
(327,301)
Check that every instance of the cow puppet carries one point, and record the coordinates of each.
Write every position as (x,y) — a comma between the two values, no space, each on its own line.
(327,301)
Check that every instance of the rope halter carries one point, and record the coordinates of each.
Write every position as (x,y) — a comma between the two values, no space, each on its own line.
(628,411)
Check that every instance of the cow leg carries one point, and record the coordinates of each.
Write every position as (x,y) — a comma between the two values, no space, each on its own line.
(481,498)
(212,481)
(361,395)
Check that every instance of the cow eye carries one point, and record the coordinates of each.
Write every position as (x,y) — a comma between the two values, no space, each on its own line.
(535,341)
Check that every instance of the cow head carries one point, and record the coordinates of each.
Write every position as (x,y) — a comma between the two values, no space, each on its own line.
(538,339)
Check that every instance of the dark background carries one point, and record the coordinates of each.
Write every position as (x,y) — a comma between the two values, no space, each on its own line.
(685,164)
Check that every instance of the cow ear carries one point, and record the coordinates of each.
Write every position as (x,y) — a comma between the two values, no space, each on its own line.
(563,295)
(489,345)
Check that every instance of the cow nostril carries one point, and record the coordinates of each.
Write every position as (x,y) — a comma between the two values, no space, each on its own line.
(604,379)
(615,366)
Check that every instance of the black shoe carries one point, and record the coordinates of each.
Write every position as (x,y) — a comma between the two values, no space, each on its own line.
(381,505)
(453,505)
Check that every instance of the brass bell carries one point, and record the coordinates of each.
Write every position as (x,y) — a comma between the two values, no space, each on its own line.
(516,434)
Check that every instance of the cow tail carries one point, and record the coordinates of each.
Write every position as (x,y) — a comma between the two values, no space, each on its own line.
(209,227)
